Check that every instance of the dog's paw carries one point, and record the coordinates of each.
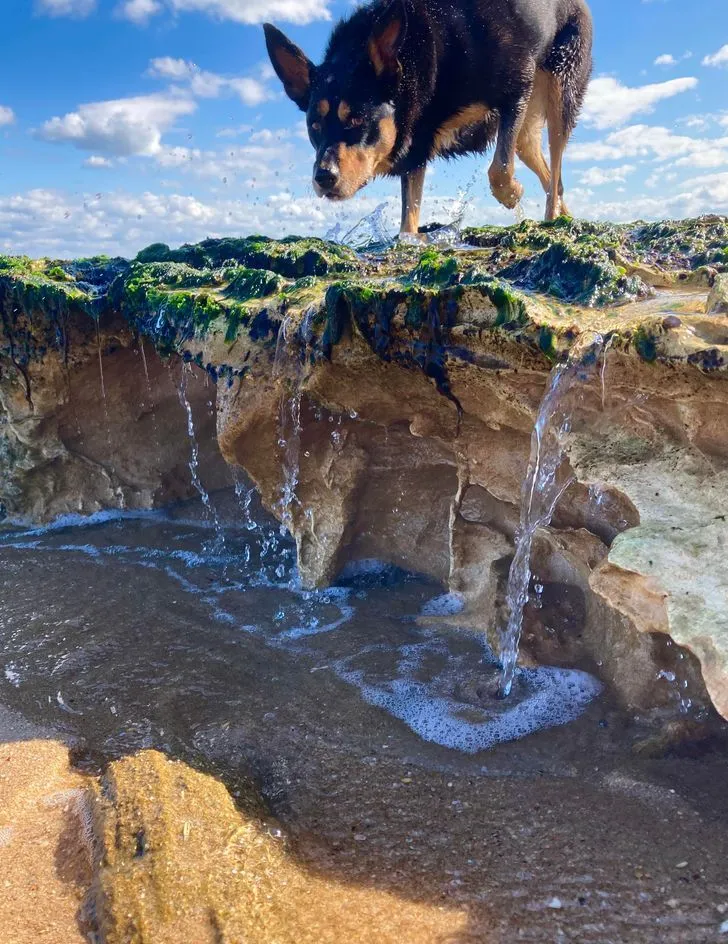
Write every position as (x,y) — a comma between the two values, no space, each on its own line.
(507,190)
(555,210)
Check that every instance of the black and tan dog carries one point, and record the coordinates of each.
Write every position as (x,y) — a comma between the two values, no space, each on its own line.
(405,81)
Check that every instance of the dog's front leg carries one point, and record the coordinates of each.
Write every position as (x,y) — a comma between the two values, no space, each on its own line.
(413,185)
(503,184)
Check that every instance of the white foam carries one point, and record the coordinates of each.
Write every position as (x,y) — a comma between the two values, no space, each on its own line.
(12,675)
(553,697)
(449,604)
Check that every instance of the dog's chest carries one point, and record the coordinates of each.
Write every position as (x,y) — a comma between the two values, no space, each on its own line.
(470,128)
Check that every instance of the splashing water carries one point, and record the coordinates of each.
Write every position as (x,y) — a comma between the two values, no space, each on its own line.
(371,232)
(543,486)
(194,463)
(290,363)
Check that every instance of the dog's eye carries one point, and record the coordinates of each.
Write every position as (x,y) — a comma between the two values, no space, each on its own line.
(316,126)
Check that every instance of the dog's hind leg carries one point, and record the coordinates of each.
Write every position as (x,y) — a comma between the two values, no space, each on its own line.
(413,185)
(503,184)
(570,65)
(529,148)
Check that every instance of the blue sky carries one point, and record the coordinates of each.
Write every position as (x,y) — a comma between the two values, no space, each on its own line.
(123,122)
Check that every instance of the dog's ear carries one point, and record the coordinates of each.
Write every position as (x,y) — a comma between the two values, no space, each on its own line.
(387,37)
(293,67)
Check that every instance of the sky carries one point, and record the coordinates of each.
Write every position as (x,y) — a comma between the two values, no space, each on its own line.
(126,122)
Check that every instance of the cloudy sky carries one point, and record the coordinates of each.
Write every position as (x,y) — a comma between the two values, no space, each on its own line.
(124,122)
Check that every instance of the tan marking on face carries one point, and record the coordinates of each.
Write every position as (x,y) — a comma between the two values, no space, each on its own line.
(323,107)
(447,134)
(344,112)
(358,165)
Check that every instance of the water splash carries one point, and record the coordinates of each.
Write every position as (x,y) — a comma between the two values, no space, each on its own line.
(290,364)
(371,232)
(545,483)
(194,463)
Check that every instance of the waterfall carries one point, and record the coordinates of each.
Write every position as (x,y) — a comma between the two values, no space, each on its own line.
(194,463)
(545,483)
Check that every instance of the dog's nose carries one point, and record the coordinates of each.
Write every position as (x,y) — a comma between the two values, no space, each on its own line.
(326,177)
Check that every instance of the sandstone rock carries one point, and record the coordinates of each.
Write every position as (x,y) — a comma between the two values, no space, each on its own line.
(718,298)
(417,376)
(45,841)
(179,861)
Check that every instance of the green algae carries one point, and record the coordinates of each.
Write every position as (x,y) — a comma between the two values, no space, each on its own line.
(404,302)
(291,258)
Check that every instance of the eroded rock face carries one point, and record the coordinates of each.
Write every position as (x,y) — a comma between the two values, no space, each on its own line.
(385,407)
(90,415)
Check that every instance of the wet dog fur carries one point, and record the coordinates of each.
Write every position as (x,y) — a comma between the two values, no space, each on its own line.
(406,81)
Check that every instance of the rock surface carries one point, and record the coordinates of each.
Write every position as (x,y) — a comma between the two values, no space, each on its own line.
(45,839)
(179,862)
(384,407)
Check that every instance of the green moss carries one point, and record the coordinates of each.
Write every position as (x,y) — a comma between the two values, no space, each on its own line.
(253,283)
(645,344)
(59,275)
(547,342)
(435,269)
(292,257)
(576,272)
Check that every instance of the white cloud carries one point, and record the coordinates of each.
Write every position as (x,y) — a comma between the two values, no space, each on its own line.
(666,59)
(596,176)
(240,11)
(96,162)
(610,104)
(76,8)
(695,197)
(256,163)
(204,84)
(138,11)
(250,91)
(121,127)
(61,224)
(719,58)
(257,11)
(639,141)
(7,115)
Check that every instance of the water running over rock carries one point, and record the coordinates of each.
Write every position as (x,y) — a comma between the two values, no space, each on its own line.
(544,485)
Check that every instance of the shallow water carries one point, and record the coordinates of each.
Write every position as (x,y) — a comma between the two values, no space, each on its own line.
(136,629)
(131,631)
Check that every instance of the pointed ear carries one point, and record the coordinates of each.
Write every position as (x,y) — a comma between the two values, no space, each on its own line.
(387,37)
(292,66)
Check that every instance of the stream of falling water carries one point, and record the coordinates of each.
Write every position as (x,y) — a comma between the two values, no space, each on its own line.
(543,486)
(290,364)
(194,463)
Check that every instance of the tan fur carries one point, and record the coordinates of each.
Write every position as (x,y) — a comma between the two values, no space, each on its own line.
(447,134)
(529,140)
(413,186)
(558,140)
(357,165)
(380,48)
(296,72)
(323,107)
(344,112)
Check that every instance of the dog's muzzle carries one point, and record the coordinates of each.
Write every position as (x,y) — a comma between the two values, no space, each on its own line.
(326,178)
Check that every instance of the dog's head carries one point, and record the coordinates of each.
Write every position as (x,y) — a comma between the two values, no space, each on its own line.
(347,99)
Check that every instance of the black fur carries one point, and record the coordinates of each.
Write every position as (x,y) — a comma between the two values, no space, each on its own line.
(441,57)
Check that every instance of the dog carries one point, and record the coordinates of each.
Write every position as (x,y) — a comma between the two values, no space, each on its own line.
(406,81)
